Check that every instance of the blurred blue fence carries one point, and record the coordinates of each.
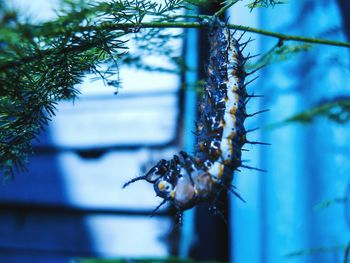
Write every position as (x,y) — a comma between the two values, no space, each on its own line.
(299,210)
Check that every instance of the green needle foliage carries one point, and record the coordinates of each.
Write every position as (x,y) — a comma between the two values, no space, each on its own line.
(330,202)
(336,109)
(41,64)
(279,53)
(264,3)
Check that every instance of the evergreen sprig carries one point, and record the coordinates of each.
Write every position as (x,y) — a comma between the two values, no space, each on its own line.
(335,109)
(279,53)
(41,64)
(264,3)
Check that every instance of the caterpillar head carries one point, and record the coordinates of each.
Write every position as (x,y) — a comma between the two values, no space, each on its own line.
(180,191)
(178,181)
(164,189)
(166,185)
(184,187)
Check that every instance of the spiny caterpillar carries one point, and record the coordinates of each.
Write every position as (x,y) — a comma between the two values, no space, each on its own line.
(186,180)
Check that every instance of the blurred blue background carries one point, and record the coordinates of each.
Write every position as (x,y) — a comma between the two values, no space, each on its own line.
(70,203)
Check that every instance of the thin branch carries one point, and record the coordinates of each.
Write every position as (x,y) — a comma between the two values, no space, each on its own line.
(129,26)
(198,17)
(182,24)
(231,26)
(290,37)
(223,9)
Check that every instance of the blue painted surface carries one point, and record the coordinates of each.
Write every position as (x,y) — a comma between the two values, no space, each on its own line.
(307,164)
(187,232)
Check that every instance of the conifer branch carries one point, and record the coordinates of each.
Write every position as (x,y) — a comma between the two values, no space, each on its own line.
(280,36)
(131,26)
(182,24)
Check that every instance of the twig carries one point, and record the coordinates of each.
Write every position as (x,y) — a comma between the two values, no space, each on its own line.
(223,9)
(126,26)
(231,26)
(183,24)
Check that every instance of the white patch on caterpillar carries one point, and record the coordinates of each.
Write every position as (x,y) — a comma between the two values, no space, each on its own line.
(230,106)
